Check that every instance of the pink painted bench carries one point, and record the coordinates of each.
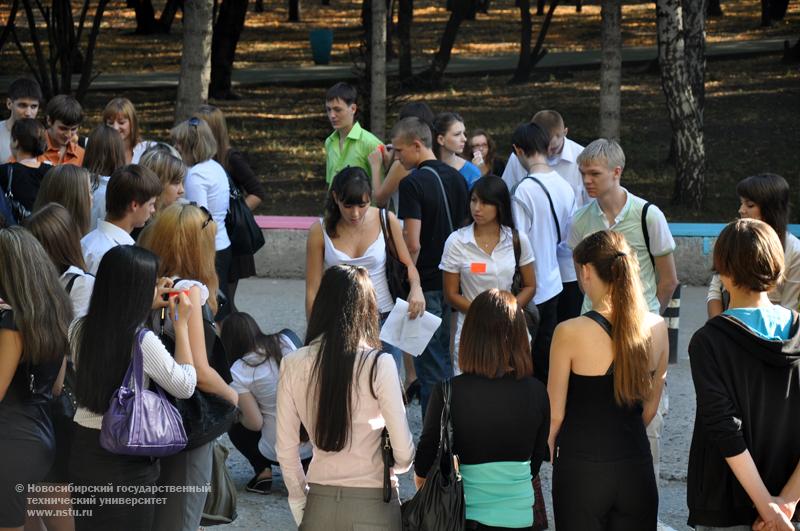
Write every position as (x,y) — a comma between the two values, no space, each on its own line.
(285,222)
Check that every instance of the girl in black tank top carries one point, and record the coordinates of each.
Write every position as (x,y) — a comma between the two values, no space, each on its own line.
(603,475)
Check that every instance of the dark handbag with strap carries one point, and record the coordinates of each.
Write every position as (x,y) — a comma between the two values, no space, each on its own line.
(388,462)
(245,235)
(396,271)
(439,505)
(205,416)
(18,210)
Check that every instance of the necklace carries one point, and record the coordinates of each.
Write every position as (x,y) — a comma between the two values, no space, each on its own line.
(488,242)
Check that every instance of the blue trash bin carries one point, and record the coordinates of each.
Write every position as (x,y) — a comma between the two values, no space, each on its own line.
(321,45)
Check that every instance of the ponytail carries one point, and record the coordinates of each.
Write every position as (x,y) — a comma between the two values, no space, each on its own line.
(617,266)
(631,340)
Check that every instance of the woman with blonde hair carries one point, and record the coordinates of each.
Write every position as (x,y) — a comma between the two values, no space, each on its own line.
(105,153)
(120,114)
(607,372)
(165,162)
(238,168)
(183,238)
(70,187)
(207,185)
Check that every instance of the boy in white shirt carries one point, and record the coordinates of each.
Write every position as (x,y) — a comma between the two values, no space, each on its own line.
(542,204)
(130,201)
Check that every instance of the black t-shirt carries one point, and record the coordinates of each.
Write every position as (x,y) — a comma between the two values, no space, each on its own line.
(25,181)
(494,419)
(421,198)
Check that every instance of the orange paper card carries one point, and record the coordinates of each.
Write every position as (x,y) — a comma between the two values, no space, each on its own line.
(477,267)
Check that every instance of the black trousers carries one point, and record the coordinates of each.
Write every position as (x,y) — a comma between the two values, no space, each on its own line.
(570,301)
(611,496)
(246,441)
(548,319)
(222,261)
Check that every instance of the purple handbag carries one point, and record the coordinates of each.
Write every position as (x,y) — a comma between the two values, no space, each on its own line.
(139,421)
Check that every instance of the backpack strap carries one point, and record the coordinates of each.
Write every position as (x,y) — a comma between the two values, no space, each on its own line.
(71,283)
(646,233)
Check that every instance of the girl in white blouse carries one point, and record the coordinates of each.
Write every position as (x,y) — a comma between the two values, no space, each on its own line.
(481,255)
(765,197)
(344,392)
(103,343)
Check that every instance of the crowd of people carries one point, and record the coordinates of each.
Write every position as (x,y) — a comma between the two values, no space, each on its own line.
(118,280)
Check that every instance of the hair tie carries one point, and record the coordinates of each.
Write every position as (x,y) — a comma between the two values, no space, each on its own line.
(620,255)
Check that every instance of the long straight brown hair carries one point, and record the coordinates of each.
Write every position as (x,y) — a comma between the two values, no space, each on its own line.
(617,266)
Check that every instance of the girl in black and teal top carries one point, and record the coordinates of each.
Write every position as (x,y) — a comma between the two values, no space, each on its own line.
(501,417)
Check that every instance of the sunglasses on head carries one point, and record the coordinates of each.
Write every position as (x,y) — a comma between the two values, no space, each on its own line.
(194,122)
(209,217)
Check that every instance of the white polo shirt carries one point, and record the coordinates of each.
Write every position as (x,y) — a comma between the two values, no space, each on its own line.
(533,216)
(98,242)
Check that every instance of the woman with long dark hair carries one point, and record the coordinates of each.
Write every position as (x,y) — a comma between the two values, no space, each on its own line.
(344,391)
(103,343)
(31,366)
(350,233)
(255,359)
(482,150)
(765,197)
(500,415)
(607,372)
(483,255)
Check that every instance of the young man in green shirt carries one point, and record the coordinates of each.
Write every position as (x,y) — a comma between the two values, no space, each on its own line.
(349,144)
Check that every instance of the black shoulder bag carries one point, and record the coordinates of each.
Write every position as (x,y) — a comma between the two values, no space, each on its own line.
(205,416)
(245,235)
(18,210)
(531,315)
(396,271)
(439,505)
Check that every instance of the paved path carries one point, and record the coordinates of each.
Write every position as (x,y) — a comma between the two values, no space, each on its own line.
(499,64)
(279,303)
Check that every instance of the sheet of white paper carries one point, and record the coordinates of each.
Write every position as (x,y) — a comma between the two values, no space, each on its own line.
(409,335)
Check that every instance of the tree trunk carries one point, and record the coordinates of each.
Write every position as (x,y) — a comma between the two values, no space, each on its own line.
(12,15)
(610,68)
(196,57)
(168,14)
(227,30)
(527,58)
(525,33)
(86,71)
(442,57)
(690,156)
(294,10)
(694,34)
(378,70)
(405,15)
(145,17)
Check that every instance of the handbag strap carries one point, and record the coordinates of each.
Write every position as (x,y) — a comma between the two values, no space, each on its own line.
(386,229)
(444,195)
(646,233)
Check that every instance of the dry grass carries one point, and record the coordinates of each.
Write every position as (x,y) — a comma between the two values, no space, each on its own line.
(268,40)
(283,128)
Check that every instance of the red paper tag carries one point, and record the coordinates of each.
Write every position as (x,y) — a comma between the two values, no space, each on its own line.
(477,267)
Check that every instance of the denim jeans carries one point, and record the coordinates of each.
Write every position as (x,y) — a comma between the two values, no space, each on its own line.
(434,366)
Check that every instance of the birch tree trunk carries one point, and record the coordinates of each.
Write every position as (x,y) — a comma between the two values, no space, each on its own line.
(694,34)
(196,57)
(378,69)
(687,130)
(610,68)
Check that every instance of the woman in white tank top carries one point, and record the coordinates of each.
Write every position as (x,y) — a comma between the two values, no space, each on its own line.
(350,233)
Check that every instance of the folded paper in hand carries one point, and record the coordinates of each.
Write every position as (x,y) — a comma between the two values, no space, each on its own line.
(409,335)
